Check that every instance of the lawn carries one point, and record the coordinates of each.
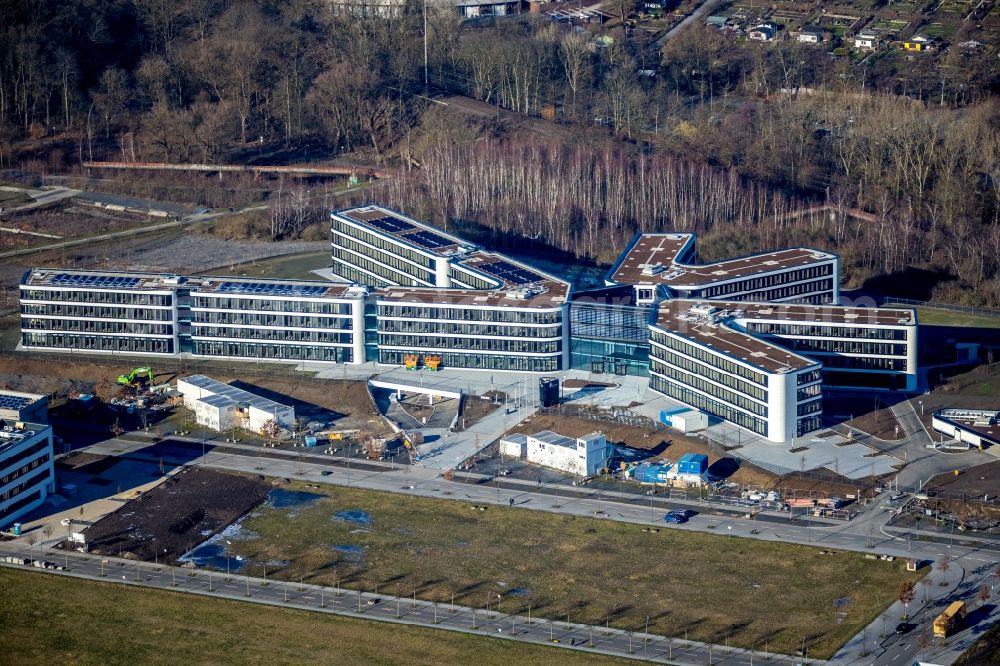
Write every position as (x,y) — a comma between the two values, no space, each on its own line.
(935,317)
(50,620)
(294,267)
(708,587)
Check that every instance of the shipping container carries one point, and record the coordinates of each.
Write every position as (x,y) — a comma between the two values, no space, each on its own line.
(692,463)
(650,473)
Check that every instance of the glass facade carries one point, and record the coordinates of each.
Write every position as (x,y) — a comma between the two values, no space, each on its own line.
(607,338)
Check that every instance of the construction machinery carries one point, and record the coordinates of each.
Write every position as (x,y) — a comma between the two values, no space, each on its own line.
(136,376)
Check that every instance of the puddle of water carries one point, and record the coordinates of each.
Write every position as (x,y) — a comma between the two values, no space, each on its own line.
(277,563)
(279,498)
(211,556)
(518,591)
(353,516)
(843,602)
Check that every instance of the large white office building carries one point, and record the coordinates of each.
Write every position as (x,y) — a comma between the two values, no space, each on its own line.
(751,339)
(763,366)
(661,266)
(438,295)
(27,469)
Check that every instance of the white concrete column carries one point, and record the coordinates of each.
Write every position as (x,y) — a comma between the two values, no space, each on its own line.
(912,376)
(781,413)
(358,331)
(442,278)
(564,313)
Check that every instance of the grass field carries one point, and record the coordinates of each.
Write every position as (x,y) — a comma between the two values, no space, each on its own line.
(713,588)
(55,620)
(935,317)
(294,267)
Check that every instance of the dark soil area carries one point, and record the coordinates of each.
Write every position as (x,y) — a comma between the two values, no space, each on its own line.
(974,482)
(473,409)
(176,515)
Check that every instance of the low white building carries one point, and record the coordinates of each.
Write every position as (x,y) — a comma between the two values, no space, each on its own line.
(866,39)
(27,471)
(583,456)
(221,406)
(980,428)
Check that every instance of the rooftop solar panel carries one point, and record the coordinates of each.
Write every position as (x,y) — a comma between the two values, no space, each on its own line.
(391,224)
(429,240)
(509,272)
(105,281)
(264,289)
(13,401)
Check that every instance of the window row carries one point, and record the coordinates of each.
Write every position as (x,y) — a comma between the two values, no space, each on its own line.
(96,296)
(481,361)
(764,281)
(705,386)
(105,326)
(470,314)
(807,424)
(27,482)
(277,305)
(841,346)
(266,351)
(778,293)
(826,331)
(98,312)
(708,357)
(13,459)
(663,356)
(389,258)
(474,281)
(706,404)
(444,328)
(809,408)
(473,344)
(809,392)
(809,376)
(99,343)
(273,334)
(405,277)
(865,363)
(256,319)
(381,243)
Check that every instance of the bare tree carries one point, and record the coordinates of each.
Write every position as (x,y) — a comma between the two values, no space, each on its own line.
(574,55)
(905,594)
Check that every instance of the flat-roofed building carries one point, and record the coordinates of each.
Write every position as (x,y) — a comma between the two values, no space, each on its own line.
(17,406)
(662,265)
(222,406)
(698,359)
(276,319)
(27,469)
(99,312)
(763,366)
(441,297)
(582,456)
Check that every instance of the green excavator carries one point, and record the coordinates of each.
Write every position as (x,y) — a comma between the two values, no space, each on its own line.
(136,376)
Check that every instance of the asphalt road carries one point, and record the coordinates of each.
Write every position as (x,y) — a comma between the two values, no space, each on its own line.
(973,562)
(385,608)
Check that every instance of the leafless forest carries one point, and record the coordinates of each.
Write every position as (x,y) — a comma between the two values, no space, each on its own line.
(754,148)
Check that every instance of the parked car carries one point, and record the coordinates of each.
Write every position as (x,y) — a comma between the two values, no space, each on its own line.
(903,627)
(675,517)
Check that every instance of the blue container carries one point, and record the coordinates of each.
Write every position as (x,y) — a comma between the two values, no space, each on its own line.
(692,463)
(650,473)
(665,414)
(310,440)
(17,529)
